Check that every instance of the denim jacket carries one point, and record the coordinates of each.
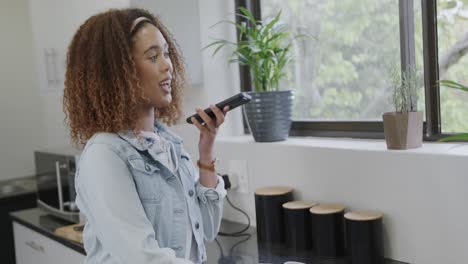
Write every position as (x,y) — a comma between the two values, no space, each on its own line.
(136,209)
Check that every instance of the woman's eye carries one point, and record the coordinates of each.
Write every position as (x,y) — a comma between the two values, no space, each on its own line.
(153,58)
(166,54)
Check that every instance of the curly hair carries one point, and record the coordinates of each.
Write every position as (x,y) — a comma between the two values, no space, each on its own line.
(102,90)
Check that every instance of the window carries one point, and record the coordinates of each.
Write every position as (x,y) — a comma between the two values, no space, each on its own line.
(341,78)
(452,27)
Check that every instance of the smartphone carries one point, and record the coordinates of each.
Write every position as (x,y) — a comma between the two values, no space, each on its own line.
(233,102)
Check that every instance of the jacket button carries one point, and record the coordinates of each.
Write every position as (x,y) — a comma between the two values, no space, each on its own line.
(147,168)
(190,193)
(197,225)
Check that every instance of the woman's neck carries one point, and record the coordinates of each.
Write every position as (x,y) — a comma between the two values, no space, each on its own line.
(146,120)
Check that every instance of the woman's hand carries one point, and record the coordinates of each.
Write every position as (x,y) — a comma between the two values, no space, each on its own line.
(208,131)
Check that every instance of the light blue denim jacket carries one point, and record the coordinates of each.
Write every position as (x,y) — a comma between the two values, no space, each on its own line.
(136,209)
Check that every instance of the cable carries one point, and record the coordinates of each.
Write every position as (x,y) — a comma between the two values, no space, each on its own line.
(231,251)
(220,247)
(237,233)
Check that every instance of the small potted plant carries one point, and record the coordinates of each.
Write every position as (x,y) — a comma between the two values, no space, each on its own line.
(403,128)
(461,87)
(264,46)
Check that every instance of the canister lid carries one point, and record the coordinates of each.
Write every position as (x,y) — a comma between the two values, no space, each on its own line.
(327,209)
(273,190)
(363,215)
(297,205)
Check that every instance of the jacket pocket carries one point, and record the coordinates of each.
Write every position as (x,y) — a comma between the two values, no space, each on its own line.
(147,179)
(187,164)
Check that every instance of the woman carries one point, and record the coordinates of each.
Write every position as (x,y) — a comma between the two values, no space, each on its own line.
(143,198)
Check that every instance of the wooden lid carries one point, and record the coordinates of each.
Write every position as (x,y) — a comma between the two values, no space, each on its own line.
(297,205)
(327,209)
(273,190)
(363,215)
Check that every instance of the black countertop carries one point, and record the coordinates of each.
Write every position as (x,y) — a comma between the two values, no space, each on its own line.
(232,250)
(229,250)
(45,224)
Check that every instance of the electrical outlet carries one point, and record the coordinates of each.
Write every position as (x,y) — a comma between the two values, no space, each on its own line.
(238,170)
(234,179)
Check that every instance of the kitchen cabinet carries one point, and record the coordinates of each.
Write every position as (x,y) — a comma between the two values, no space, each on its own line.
(54,22)
(15,194)
(32,247)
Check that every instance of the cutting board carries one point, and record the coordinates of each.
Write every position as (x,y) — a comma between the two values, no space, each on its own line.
(70,234)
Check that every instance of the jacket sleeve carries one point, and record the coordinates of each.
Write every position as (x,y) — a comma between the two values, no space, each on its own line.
(211,205)
(107,196)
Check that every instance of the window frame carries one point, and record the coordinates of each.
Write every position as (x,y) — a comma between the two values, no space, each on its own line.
(374,129)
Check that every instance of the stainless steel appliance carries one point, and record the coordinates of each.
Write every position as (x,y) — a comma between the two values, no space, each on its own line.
(55,174)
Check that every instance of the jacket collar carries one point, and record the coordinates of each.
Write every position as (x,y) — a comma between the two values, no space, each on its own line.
(131,138)
(167,134)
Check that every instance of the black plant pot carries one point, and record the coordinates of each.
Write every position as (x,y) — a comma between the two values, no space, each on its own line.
(269,115)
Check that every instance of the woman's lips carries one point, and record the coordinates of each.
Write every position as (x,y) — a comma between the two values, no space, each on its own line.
(166,85)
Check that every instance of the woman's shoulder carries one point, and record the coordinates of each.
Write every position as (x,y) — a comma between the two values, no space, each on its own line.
(104,138)
(103,141)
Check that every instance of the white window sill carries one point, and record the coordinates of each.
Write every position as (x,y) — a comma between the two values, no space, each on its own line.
(379,145)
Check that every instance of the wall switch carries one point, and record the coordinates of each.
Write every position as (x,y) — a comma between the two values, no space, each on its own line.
(238,169)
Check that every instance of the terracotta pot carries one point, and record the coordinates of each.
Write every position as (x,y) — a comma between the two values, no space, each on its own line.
(403,130)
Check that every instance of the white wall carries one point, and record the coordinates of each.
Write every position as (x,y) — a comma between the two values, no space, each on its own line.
(21,113)
(422,192)
(220,80)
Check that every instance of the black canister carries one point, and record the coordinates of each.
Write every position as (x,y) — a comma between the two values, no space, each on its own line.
(297,221)
(269,213)
(328,230)
(364,237)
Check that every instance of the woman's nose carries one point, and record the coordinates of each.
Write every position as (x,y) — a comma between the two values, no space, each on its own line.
(167,64)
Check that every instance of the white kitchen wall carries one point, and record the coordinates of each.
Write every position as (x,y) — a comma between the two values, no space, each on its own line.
(220,80)
(422,192)
(21,114)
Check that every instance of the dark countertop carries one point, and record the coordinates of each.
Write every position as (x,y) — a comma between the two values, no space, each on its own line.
(228,251)
(250,252)
(46,225)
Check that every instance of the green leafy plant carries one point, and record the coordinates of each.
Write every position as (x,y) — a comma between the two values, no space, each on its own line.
(405,89)
(264,46)
(461,87)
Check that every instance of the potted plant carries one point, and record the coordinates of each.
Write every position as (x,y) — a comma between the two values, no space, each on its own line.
(264,46)
(403,128)
(461,87)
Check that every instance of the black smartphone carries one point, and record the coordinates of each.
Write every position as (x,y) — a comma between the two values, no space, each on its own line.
(233,102)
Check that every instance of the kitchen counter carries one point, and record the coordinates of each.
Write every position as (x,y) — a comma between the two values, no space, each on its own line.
(15,194)
(232,250)
(229,250)
(46,225)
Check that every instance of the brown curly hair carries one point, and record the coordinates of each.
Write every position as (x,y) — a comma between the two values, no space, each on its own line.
(102,90)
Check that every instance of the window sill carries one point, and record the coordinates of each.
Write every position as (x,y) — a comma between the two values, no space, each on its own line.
(378,145)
